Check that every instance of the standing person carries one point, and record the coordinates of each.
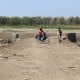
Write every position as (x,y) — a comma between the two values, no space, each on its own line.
(59,34)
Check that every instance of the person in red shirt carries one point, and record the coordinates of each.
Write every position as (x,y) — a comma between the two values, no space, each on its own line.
(41,34)
(40,31)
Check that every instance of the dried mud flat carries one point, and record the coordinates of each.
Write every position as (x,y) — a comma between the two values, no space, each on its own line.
(29,60)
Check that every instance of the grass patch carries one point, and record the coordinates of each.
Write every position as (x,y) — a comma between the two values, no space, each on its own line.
(46,27)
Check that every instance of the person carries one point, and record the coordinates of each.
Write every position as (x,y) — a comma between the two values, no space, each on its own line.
(41,35)
(59,34)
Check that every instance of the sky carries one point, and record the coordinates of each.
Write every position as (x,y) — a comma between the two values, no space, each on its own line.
(43,8)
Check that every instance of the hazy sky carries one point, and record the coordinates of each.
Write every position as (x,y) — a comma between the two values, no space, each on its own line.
(42,8)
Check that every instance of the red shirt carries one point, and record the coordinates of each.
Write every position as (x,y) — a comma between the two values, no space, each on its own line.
(40,32)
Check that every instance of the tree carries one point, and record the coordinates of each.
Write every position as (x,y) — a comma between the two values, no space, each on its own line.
(77,20)
(71,21)
(62,21)
(25,21)
(15,21)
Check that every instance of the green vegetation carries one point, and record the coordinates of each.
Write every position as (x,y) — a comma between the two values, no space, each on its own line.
(45,27)
(46,22)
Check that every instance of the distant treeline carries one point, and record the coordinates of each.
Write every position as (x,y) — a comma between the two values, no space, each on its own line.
(33,21)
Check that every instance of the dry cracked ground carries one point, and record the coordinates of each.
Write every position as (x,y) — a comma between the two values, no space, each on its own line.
(29,60)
